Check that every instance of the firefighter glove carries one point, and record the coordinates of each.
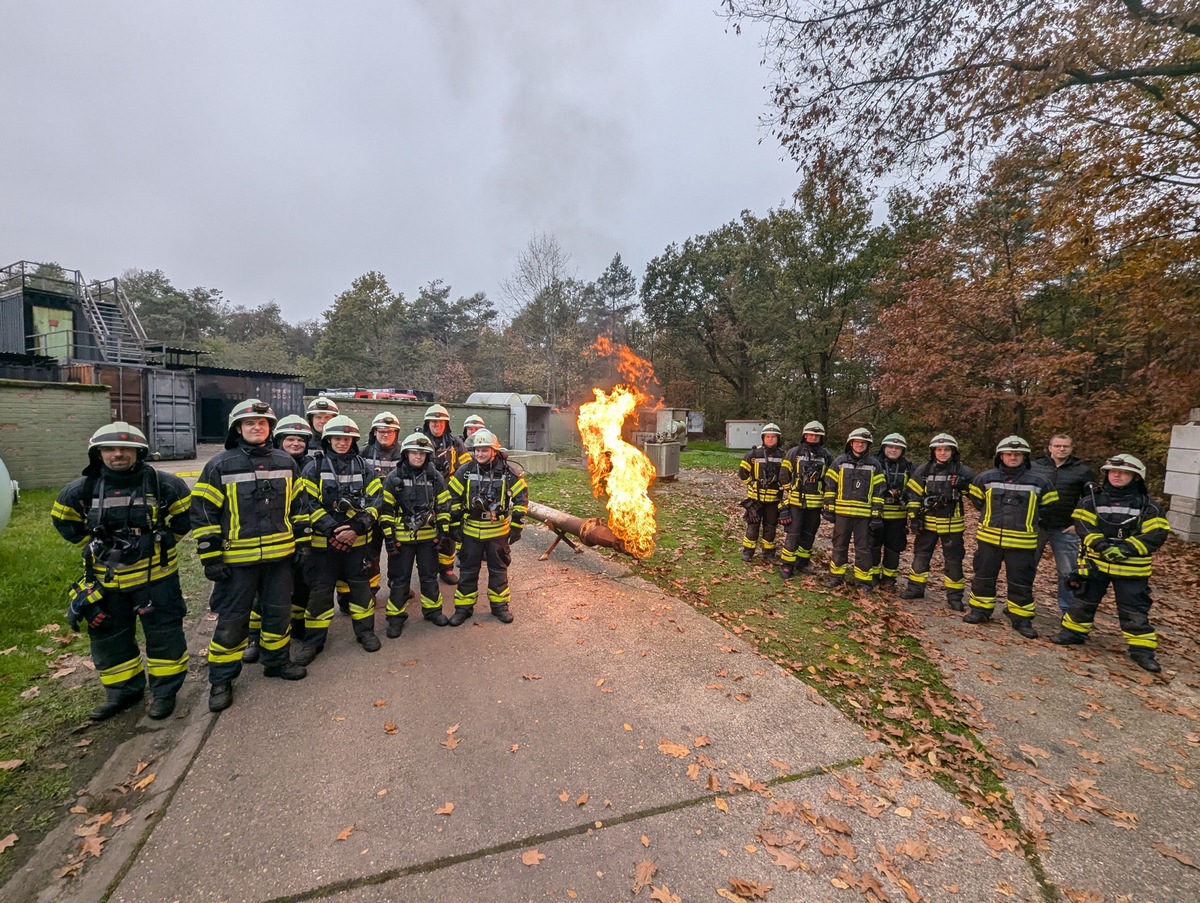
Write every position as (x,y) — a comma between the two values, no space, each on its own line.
(785,515)
(84,607)
(390,545)
(827,514)
(875,524)
(302,553)
(217,572)
(514,533)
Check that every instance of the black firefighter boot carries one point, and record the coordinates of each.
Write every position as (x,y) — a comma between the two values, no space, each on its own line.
(115,702)
(769,556)
(502,614)
(161,707)
(954,598)
(447,575)
(1023,626)
(887,585)
(252,652)
(366,636)
(462,614)
(395,625)
(976,615)
(747,554)
(436,617)
(1144,658)
(914,590)
(285,668)
(220,696)
(786,571)
(1066,637)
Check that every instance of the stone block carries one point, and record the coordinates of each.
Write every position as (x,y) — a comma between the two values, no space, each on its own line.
(1183,460)
(535,462)
(1185,484)
(1187,526)
(1194,415)
(1186,436)
(1183,505)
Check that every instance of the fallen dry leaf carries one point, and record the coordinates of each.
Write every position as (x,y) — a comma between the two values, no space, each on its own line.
(643,874)
(670,748)
(92,845)
(750,890)
(532,676)
(446,809)
(145,782)
(786,858)
(141,766)
(11,763)
(70,870)
(31,693)
(451,742)
(1172,853)
(78,810)
(663,895)
(345,833)
(379,703)
(11,839)
(390,728)
(645,841)
(582,799)
(564,796)
(720,803)
(123,818)
(532,857)
(702,740)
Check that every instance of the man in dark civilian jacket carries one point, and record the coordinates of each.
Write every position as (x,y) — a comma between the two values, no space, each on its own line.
(1068,476)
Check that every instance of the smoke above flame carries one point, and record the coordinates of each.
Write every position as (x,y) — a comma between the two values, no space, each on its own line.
(618,469)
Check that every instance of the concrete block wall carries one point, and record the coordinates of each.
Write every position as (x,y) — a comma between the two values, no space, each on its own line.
(45,427)
(1182,482)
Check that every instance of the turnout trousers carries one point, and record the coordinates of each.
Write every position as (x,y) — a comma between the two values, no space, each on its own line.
(886,545)
(765,527)
(299,606)
(1020,565)
(800,536)
(953,553)
(232,600)
(1133,608)
(845,529)
(323,570)
(471,556)
(115,649)
(400,567)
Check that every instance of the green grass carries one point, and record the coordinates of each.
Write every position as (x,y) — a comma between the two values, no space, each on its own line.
(38,566)
(861,655)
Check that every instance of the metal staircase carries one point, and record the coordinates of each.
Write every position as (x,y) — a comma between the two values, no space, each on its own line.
(115,331)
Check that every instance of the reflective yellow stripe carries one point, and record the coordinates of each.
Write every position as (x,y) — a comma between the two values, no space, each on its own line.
(319,621)
(499,598)
(1143,640)
(953,584)
(1021,611)
(914,577)
(62,512)
(1077,626)
(1007,539)
(987,603)
(273,641)
(221,655)
(119,674)
(461,599)
(165,667)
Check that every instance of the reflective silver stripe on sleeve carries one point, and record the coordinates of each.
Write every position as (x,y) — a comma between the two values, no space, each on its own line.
(257,475)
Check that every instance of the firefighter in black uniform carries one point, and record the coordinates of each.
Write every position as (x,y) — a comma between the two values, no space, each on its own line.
(449,454)
(381,454)
(759,470)
(802,481)
(318,413)
(341,497)
(854,505)
(127,517)
(935,503)
(888,541)
(248,527)
(292,434)
(1010,498)
(414,515)
(1120,527)
(488,500)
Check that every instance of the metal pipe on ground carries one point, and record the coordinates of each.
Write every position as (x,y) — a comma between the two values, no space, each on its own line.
(592,531)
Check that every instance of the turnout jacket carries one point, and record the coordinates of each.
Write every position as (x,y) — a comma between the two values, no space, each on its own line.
(802,475)
(382,461)
(1010,502)
(486,498)
(246,506)
(1126,517)
(449,452)
(895,481)
(938,490)
(414,498)
(1068,481)
(759,470)
(127,524)
(340,490)
(854,486)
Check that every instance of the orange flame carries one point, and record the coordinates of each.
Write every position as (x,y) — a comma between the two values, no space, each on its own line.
(619,469)
(635,371)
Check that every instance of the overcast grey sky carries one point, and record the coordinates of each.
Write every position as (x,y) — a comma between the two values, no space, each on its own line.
(277,150)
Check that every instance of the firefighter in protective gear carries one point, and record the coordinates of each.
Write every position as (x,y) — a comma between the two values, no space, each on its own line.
(127,518)
(449,453)
(381,454)
(488,501)
(248,526)
(1120,527)
(802,481)
(471,426)
(888,541)
(292,434)
(341,497)
(936,490)
(854,504)
(319,412)
(414,515)
(759,470)
(1010,498)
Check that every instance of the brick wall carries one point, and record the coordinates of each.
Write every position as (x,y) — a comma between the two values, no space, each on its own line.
(45,427)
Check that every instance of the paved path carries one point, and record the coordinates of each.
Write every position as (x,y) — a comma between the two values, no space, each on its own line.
(610,726)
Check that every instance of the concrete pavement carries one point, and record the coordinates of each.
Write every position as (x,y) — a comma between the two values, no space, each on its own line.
(611,725)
